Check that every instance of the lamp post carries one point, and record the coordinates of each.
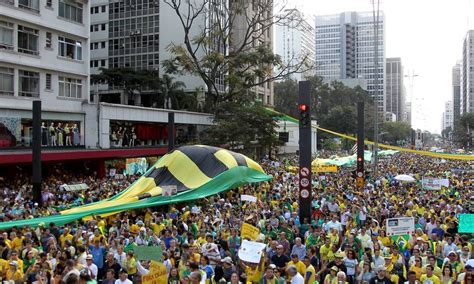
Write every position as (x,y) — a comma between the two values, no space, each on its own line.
(375,13)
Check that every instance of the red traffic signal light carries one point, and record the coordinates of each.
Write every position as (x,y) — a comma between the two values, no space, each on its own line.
(303,107)
(359,159)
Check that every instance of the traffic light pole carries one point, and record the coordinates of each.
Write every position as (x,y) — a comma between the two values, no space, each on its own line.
(305,193)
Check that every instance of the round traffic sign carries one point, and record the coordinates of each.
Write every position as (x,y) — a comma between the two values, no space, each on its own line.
(304,193)
(304,172)
(304,182)
(360,174)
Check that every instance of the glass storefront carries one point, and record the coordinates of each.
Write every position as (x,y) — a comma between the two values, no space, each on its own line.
(17,132)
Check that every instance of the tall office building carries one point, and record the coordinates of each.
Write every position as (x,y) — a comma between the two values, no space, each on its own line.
(294,41)
(345,49)
(250,11)
(448,116)
(395,92)
(407,116)
(43,56)
(467,74)
(456,84)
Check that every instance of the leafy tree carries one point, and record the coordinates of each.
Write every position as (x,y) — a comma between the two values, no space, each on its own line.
(128,79)
(252,128)
(286,97)
(170,90)
(463,130)
(395,132)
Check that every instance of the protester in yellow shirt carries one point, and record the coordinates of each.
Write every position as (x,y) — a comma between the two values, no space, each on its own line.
(325,249)
(14,273)
(300,266)
(310,273)
(16,242)
(429,277)
(65,236)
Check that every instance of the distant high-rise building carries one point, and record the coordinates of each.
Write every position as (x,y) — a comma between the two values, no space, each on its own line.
(395,93)
(456,83)
(345,48)
(448,115)
(294,41)
(467,74)
(407,116)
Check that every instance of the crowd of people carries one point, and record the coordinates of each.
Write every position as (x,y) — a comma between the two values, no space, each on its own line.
(344,241)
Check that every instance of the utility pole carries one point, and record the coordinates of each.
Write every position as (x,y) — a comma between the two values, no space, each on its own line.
(375,12)
(305,184)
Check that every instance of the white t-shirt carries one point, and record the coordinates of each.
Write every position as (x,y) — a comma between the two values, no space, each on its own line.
(297,279)
(127,281)
(93,270)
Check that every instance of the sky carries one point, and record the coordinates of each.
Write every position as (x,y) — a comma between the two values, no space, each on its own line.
(426,34)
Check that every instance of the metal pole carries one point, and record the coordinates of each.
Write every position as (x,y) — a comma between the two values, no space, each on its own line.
(36,148)
(170,131)
(305,185)
(376,81)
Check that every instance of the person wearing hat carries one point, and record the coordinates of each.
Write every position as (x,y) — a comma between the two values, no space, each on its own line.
(332,275)
(456,265)
(14,273)
(228,267)
(91,267)
(381,276)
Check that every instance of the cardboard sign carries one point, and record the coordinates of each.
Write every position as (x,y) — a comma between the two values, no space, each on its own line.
(156,275)
(325,169)
(249,232)
(429,183)
(400,226)
(249,198)
(466,223)
(251,251)
(169,190)
(148,253)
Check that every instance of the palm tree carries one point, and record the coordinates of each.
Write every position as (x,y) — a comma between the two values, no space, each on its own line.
(170,90)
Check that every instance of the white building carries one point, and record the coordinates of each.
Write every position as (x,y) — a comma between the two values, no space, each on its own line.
(294,41)
(467,74)
(345,49)
(293,132)
(44,54)
(448,116)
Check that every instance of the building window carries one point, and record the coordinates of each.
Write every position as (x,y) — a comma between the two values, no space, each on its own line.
(49,3)
(49,40)
(6,35)
(28,84)
(102,44)
(103,8)
(70,10)
(70,88)
(6,81)
(27,40)
(48,81)
(70,48)
(29,4)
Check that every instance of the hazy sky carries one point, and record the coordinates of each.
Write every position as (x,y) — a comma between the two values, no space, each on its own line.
(426,34)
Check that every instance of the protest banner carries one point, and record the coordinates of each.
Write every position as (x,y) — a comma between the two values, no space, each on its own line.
(251,251)
(400,226)
(148,253)
(466,223)
(249,232)
(157,274)
(249,198)
(325,169)
(429,183)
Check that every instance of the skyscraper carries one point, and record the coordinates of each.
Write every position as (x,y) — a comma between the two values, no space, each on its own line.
(448,116)
(467,74)
(456,83)
(345,46)
(294,41)
(395,93)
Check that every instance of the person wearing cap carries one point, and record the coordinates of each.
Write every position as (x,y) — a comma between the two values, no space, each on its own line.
(14,272)
(228,267)
(338,262)
(332,275)
(380,277)
(456,265)
(91,267)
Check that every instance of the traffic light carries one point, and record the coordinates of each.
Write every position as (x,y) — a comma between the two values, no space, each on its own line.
(305,117)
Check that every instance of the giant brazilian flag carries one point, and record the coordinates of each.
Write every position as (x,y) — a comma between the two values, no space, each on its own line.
(197,171)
